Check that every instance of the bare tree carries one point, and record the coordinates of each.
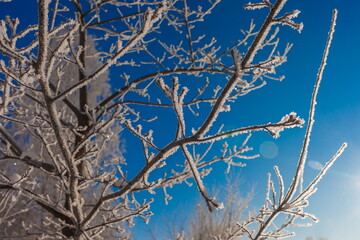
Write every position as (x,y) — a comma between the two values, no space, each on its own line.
(203,224)
(90,70)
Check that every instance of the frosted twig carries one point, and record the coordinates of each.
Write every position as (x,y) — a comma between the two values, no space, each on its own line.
(303,155)
(210,202)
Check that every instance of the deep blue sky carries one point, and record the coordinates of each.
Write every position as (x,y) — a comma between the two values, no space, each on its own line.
(336,203)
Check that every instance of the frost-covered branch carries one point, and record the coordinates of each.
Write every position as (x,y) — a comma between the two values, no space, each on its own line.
(304,151)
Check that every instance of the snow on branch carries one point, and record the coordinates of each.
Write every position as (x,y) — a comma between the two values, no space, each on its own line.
(96,79)
(210,202)
(288,121)
(303,155)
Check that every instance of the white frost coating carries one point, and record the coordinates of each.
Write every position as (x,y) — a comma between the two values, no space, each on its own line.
(254,6)
(166,89)
(303,155)
(225,108)
(193,131)
(286,20)
(76,139)
(3,31)
(288,121)
(281,183)
(243,84)
(210,202)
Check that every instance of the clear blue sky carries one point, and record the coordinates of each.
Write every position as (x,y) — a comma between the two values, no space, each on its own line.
(336,203)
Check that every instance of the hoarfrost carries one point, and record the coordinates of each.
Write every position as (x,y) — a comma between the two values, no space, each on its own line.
(62,122)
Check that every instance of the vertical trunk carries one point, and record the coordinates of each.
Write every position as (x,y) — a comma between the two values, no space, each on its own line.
(83,122)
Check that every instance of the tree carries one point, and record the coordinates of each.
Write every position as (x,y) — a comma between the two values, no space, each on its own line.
(64,108)
(203,224)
